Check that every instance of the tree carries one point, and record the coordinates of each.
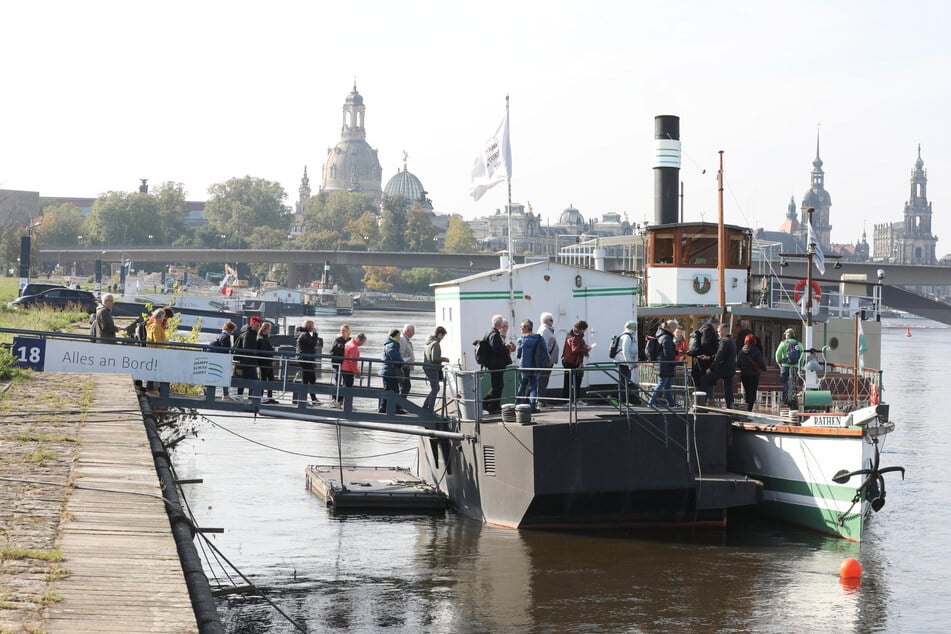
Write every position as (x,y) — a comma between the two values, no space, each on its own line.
(393,218)
(459,237)
(60,225)
(364,230)
(119,218)
(419,231)
(267,238)
(417,280)
(332,212)
(238,205)
(170,199)
(381,278)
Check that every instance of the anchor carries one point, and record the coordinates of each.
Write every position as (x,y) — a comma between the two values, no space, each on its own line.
(874,484)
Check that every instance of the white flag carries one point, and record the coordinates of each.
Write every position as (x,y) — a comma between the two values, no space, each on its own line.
(493,164)
(863,346)
(819,259)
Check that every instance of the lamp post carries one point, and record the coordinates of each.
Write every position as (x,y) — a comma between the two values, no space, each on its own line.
(150,240)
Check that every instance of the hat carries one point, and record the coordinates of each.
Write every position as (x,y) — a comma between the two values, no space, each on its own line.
(630,324)
(749,340)
(255,320)
(789,333)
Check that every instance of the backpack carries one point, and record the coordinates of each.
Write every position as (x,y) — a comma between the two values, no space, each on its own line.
(541,359)
(93,326)
(337,350)
(652,348)
(615,346)
(483,351)
(793,352)
(693,344)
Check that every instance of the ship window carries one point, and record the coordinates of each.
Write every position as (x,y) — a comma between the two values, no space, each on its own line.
(663,248)
(739,251)
(699,249)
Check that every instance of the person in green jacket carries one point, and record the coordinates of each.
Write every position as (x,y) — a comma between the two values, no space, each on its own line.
(789,355)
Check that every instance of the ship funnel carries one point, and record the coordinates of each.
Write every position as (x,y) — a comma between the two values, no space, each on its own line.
(666,168)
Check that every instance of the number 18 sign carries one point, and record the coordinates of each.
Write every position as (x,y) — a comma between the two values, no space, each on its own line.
(29,353)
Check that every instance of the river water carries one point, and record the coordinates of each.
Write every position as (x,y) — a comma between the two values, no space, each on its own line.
(446,573)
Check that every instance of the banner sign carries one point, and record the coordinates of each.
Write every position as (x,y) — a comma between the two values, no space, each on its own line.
(195,367)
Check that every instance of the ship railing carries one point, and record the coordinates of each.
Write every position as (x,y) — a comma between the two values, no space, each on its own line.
(851,387)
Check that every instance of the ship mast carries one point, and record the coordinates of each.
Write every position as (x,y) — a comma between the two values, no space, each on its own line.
(721,243)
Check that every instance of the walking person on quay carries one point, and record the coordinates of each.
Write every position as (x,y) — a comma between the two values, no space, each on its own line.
(406,352)
(105,327)
(789,356)
(307,343)
(350,368)
(266,359)
(530,351)
(703,355)
(627,358)
(666,363)
(245,349)
(391,370)
(432,356)
(752,364)
(155,334)
(223,344)
(547,331)
(337,351)
(722,366)
(572,357)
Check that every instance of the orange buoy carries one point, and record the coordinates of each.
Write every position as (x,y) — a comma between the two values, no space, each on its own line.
(850,569)
(908,331)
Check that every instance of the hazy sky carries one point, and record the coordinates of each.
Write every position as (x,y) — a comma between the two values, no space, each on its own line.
(100,94)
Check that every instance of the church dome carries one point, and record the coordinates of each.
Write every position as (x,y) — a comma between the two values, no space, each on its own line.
(405,184)
(571,216)
(816,198)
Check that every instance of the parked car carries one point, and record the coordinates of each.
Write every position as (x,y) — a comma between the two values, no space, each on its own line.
(35,288)
(61,298)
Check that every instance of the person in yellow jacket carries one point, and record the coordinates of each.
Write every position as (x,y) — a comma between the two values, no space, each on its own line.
(155,333)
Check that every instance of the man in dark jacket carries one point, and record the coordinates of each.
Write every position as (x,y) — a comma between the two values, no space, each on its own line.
(499,357)
(723,366)
(709,343)
(666,365)
(247,341)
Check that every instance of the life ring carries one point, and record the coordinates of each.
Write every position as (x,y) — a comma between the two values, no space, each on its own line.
(816,291)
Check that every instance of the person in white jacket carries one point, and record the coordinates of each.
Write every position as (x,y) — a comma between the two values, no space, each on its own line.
(627,358)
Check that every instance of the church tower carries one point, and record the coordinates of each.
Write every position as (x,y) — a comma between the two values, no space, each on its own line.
(303,193)
(352,165)
(918,243)
(818,198)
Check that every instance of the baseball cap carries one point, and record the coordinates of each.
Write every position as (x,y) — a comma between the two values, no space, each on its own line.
(630,324)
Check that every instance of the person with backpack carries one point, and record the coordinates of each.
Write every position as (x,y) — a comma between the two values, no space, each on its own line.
(102,325)
(307,346)
(547,331)
(572,358)
(666,360)
(751,364)
(531,352)
(391,370)
(789,357)
(626,359)
(337,351)
(350,369)
(495,356)
(432,368)
(266,360)
(223,344)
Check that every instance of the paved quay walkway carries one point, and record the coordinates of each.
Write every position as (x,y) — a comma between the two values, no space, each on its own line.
(85,542)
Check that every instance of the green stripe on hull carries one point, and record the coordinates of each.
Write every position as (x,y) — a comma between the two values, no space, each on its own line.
(814,506)
(601,292)
(453,294)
